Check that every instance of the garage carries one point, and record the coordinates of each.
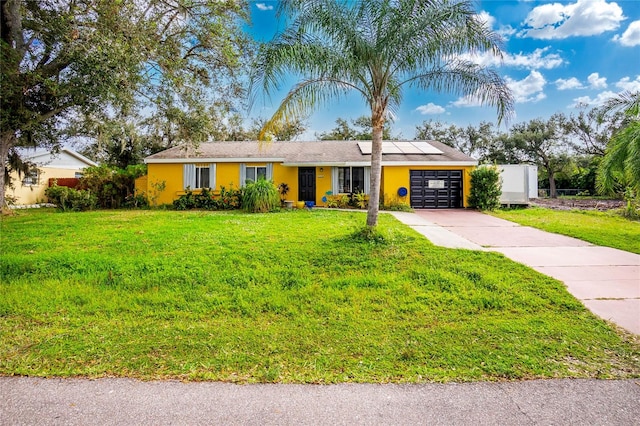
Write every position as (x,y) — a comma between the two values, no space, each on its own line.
(436,189)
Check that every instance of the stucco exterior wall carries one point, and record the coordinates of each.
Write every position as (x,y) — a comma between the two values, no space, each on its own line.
(33,194)
(395,177)
(228,174)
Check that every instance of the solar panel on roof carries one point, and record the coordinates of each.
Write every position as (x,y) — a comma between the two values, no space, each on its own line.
(427,148)
(408,148)
(365,147)
(390,148)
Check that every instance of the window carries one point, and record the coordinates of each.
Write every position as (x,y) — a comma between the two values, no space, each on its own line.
(31,178)
(351,180)
(255,173)
(202,176)
(198,176)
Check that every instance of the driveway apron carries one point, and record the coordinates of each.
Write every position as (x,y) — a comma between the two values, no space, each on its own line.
(606,280)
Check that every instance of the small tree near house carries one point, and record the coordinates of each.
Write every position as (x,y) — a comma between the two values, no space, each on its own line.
(486,188)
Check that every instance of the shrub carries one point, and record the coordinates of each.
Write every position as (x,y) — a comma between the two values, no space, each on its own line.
(485,188)
(111,185)
(186,201)
(632,204)
(135,201)
(69,199)
(361,200)
(393,203)
(204,200)
(229,199)
(283,188)
(260,197)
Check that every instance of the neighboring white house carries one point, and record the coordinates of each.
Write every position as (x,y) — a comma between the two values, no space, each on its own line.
(29,188)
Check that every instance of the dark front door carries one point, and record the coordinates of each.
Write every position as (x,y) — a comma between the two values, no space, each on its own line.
(436,189)
(307,184)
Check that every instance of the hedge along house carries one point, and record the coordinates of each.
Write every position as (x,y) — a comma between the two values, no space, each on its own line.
(418,173)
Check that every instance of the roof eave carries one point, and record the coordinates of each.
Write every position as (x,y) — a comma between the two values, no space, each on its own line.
(212,160)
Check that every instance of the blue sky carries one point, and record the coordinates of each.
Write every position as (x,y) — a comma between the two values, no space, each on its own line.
(558,55)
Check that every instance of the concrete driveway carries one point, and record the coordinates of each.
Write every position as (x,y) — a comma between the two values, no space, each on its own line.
(606,280)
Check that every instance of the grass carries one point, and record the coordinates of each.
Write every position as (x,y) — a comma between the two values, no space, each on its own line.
(601,228)
(286,297)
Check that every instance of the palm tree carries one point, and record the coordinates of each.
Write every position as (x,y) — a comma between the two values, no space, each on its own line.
(621,162)
(377,48)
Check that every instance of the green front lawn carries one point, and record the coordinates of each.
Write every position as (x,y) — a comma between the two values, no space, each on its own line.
(284,297)
(601,228)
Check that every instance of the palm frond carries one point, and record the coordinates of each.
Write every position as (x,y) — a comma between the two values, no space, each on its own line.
(376,47)
(304,97)
(621,163)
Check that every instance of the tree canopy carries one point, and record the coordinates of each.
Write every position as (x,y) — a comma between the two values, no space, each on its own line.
(360,129)
(65,60)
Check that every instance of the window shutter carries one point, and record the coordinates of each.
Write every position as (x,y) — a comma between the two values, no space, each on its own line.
(367,180)
(189,176)
(269,171)
(243,174)
(212,176)
(335,190)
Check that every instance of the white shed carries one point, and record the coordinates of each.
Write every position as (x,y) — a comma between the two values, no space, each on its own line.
(519,183)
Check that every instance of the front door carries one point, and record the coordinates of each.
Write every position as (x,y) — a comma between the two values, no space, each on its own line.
(307,184)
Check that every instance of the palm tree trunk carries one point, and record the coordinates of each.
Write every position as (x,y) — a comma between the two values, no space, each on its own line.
(377,123)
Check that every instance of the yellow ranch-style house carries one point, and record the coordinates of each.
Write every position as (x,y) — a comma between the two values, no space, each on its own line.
(422,174)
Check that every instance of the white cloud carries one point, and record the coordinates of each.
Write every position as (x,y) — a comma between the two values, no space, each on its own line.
(467,101)
(505,31)
(629,85)
(263,6)
(582,18)
(536,60)
(583,101)
(596,81)
(631,37)
(571,83)
(528,89)
(430,108)
(486,18)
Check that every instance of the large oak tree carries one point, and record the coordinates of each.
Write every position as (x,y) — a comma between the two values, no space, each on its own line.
(64,60)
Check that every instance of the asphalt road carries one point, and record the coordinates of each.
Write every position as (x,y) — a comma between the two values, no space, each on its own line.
(33,401)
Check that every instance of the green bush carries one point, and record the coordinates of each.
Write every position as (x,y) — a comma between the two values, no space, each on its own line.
(111,186)
(69,199)
(261,197)
(227,199)
(632,206)
(485,188)
(187,201)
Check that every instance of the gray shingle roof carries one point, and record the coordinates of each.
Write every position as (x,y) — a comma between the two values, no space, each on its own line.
(302,153)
